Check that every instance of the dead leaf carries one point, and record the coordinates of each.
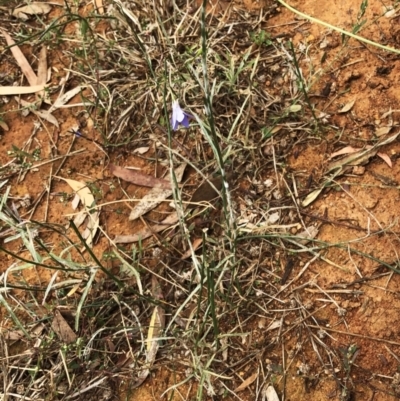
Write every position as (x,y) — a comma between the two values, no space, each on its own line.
(149,202)
(247,382)
(382,131)
(388,11)
(73,290)
(62,328)
(344,151)
(146,232)
(295,108)
(16,335)
(20,90)
(21,60)
(273,218)
(157,324)
(46,115)
(361,157)
(271,394)
(82,190)
(13,335)
(66,97)
(99,6)
(196,243)
(88,202)
(31,9)
(276,129)
(336,168)
(80,218)
(138,178)
(308,234)
(206,192)
(347,107)
(75,202)
(141,150)
(4,126)
(155,196)
(385,158)
(42,78)
(91,227)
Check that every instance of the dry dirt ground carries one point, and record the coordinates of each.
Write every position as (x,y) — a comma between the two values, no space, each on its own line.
(330,329)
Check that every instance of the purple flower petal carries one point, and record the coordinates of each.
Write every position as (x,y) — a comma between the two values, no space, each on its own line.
(174,124)
(179,116)
(186,120)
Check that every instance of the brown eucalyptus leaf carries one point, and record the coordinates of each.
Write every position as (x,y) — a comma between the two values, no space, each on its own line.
(247,382)
(271,394)
(21,60)
(385,157)
(139,178)
(66,97)
(382,131)
(32,9)
(42,77)
(155,196)
(20,90)
(347,107)
(196,244)
(147,232)
(62,328)
(206,192)
(344,151)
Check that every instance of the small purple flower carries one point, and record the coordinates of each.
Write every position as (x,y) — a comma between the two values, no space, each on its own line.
(179,116)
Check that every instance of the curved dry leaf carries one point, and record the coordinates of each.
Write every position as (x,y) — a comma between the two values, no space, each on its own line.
(155,196)
(87,200)
(206,192)
(385,158)
(32,9)
(247,382)
(21,60)
(20,90)
(80,218)
(141,150)
(382,131)
(311,197)
(4,126)
(295,108)
(91,228)
(62,328)
(347,107)
(42,77)
(157,324)
(99,6)
(66,97)
(147,232)
(45,114)
(271,394)
(308,234)
(82,190)
(75,202)
(344,151)
(139,178)
(149,202)
(196,243)
(273,218)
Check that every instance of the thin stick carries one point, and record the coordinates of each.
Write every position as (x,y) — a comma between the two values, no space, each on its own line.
(382,340)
